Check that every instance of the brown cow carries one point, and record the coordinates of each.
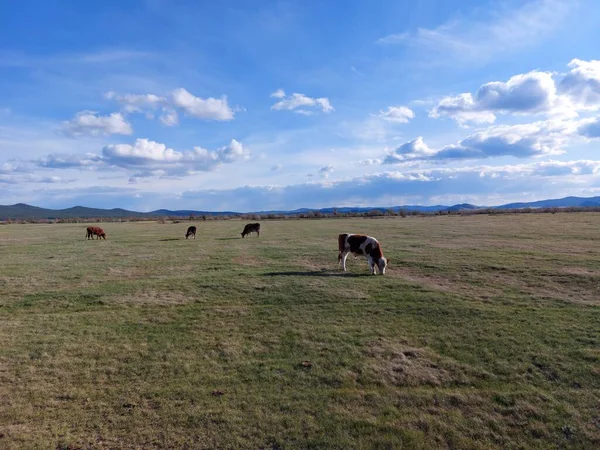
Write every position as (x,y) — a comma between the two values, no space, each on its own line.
(251,228)
(359,244)
(97,231)
(191,231)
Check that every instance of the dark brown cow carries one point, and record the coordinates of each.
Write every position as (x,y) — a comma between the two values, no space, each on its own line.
(359,244)
(251,228)
(95,231)
(191,231)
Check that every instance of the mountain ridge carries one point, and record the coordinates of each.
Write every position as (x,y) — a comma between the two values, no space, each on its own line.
(24,211)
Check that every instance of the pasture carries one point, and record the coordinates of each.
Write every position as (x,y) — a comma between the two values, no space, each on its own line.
(484,333)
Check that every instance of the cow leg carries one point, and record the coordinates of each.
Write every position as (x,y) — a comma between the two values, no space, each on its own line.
(371,265)
(344,256)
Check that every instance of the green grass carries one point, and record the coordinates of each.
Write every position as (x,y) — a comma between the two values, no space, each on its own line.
(484,333)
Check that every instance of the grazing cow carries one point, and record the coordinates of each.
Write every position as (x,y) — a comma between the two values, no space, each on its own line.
(251,228)
(97,231)
(359,244)
(191,232)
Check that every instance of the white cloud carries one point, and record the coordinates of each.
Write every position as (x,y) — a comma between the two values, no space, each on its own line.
(415,149)
(398,38)
(143,151)
(522,141)
(32,178)
(370,162)
(397,114)
(325,171)
(169,117)
(210,108)
(590,128)
(136,102)
(582,84)
(462,108)
(476,40)
(295,101)
(58,161)
(231,152)
(90,123)
(150,158)
(525,94)
(530,93)
(279,93)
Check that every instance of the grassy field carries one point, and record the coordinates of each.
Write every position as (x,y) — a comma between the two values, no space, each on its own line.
(484,333)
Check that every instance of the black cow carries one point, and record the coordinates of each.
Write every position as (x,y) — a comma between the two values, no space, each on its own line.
(251,228)
(191,231)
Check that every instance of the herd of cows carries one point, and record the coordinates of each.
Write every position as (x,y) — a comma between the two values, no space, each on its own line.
(357,244)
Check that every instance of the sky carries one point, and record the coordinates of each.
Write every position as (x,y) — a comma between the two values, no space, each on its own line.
(264,105)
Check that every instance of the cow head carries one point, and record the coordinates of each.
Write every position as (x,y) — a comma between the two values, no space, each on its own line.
(382,264)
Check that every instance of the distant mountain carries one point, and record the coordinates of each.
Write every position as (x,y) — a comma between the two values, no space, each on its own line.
(23,211)
(555,203)
(463,207)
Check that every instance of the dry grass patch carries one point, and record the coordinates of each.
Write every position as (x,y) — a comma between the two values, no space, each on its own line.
(150,298)
(401,364)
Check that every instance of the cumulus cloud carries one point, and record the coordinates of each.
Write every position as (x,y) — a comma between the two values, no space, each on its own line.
(136,102)
(210,108)
(57,161)
(590,128)
(169,118)
(300,102)
(397,114)
(91,124)
(582,84)
(522,141)
(415,149)
(279,93)
(325,171)
(149,158)
(147,153)
(370,162)
(179,99)
(530,93)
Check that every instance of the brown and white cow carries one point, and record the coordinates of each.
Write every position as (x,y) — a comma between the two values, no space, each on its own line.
(359,244)
(251,228)
(191,231)
(95,231)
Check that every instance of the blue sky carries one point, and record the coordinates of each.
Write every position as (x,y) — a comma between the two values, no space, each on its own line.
(283,104)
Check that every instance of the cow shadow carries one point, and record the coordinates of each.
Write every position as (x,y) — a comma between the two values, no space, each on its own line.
(227,239)
(315,273)
(169,239)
